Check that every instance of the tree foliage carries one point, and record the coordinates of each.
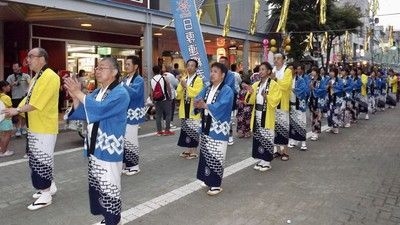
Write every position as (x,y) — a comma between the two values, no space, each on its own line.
(303,17)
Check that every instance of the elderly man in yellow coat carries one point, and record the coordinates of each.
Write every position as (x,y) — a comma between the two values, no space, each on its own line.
(265,96)
(284,77)
(188,88)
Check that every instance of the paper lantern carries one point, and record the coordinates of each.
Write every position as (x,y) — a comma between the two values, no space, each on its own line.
(287,40)
(273,42)
(287,48)
(273,49)
(265,42)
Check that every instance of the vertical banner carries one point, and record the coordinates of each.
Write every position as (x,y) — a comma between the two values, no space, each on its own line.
(189,35)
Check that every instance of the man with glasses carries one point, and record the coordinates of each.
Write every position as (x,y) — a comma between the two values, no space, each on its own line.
(105,109)
(40,108)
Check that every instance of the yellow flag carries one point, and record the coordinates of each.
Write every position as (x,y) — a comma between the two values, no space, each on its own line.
(374,7)
(309,42)
(322,12)
(391,37)
(227,21)
(253,21)
(283,17)
(324,42)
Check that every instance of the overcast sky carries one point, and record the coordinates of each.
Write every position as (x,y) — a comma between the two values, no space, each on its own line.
(389,7)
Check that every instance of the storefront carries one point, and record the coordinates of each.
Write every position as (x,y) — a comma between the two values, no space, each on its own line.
(166,46)
(77,33)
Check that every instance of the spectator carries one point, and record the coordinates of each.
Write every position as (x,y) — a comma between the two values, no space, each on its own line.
(174,84)
(243,112)
(176,71)
(19,87)
(82,79)
(163,105)
(6,126)
(255,76)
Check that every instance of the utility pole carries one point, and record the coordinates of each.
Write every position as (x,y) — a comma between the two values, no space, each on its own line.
(371,39)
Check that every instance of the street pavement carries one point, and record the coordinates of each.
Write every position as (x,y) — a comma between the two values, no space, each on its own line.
(343,179)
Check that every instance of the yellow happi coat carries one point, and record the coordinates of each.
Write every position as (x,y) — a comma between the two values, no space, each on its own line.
(285,85)
(191,93)
(273,99)
(393,82)
(364,84)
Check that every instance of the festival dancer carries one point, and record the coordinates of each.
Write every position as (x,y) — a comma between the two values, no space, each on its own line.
(105,110)
(188,88)
(215,103)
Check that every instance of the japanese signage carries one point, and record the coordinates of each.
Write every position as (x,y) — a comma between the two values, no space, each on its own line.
(189,35)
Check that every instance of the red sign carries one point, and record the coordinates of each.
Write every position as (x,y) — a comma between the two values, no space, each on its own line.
(142,3)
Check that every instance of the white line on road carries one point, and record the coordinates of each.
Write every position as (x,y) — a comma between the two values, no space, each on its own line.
(162,200)
(13,162)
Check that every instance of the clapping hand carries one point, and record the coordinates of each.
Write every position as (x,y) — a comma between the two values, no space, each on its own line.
(72,85)
(183,83)
(249,89)
(199,104)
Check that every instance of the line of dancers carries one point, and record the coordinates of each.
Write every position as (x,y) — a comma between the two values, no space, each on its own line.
(279,100)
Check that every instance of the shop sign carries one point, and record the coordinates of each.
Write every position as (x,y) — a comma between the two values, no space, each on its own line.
(104,51)
(189,35)
(220,52)
(142,3)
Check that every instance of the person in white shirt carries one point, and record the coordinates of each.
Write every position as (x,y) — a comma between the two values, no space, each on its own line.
(173,84)
(163,106)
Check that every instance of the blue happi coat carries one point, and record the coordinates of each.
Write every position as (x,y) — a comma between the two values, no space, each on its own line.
(383,83)
(136,109)
(301,90)
(229,80)
(338,87)
(348,87)
(356,87)
(371,87)
(221,112)
(111,115)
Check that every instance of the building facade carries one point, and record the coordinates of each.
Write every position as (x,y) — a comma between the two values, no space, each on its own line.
(77,33)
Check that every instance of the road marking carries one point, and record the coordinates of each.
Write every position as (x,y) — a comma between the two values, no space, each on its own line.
(16,161)
(140,210)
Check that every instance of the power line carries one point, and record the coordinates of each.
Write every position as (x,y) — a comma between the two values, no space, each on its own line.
(388,14)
